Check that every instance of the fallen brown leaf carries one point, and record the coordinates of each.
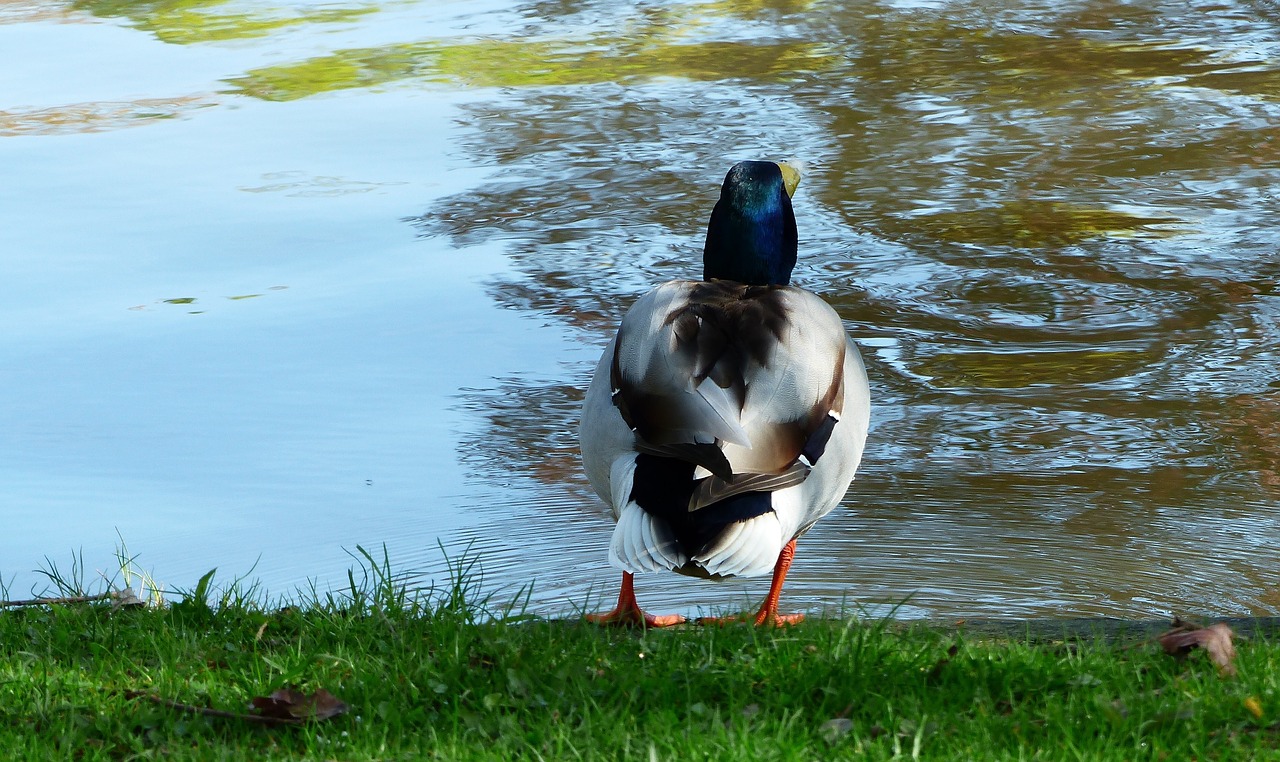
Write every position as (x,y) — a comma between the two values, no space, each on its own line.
(294,706)
(1214,639)
(283,707)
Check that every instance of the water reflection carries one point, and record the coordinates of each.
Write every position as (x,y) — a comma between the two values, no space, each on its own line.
(93,117)
(1049,230)
(194,21)
(1051,227)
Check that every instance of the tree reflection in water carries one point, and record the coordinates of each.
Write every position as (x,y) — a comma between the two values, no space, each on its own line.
(1052,231)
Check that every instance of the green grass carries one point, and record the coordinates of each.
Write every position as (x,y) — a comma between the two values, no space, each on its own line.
(446,675)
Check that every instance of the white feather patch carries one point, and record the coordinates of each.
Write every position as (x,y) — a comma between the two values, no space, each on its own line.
(746,549)
(790,509)
(640,544)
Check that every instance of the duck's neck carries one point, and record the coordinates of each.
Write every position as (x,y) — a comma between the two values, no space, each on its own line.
(751,238)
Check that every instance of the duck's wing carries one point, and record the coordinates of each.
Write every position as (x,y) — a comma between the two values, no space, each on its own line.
(664,381)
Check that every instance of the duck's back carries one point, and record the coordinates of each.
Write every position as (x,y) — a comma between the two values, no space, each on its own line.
(719,403)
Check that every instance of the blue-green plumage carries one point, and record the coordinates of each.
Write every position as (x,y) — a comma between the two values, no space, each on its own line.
(751,237)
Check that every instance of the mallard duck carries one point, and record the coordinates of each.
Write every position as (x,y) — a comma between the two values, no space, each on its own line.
(728,415)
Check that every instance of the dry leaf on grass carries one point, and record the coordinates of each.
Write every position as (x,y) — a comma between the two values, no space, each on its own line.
(283,707)
(289,705)
(1214,639)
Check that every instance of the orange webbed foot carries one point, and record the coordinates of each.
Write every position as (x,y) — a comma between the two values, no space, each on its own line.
(759,620)
(634,618)
(776,619)
(629,614)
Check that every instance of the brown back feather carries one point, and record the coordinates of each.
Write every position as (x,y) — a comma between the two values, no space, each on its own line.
(718,338)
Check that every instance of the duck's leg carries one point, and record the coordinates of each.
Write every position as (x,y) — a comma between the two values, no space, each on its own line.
(769,609)
(628,612)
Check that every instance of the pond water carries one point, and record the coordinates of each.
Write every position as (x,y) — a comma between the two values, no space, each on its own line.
(284,280)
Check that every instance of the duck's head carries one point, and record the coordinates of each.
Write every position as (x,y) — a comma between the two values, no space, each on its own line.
(752,234)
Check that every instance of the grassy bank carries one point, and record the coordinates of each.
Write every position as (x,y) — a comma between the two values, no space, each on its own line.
(446,677)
